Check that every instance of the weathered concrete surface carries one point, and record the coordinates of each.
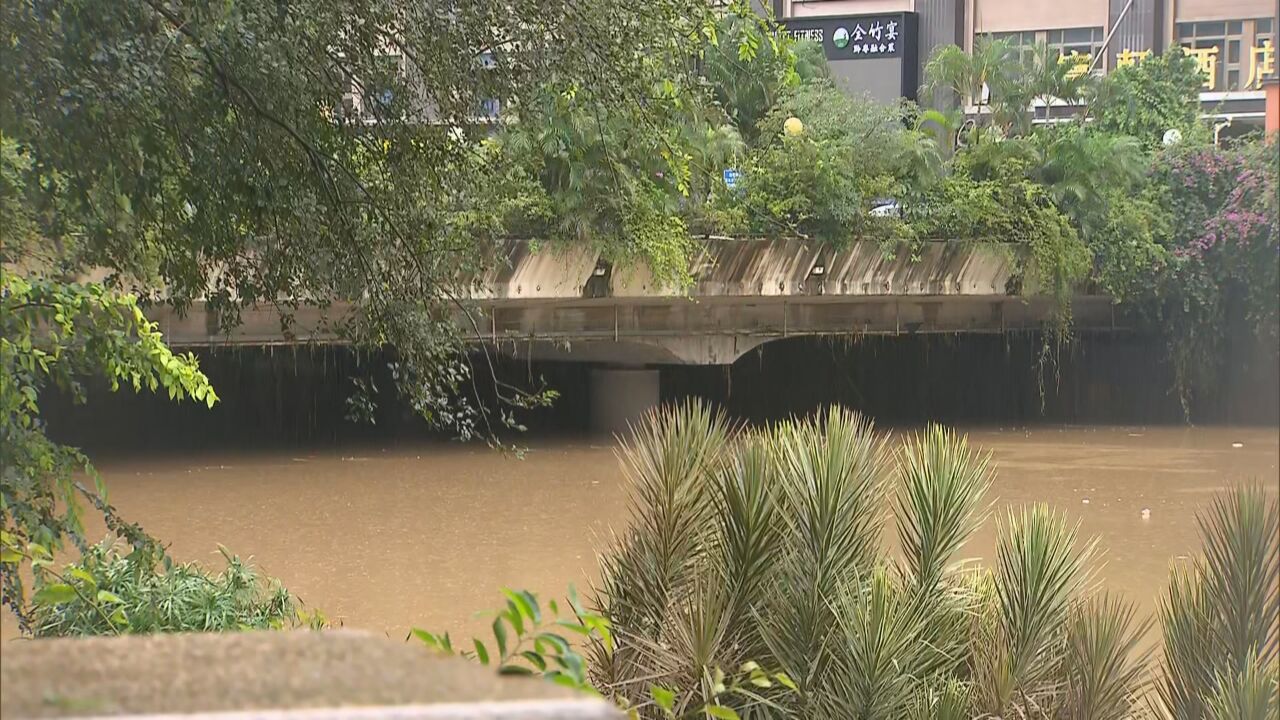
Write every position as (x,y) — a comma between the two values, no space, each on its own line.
(267,674)
(566,303)
(761,268)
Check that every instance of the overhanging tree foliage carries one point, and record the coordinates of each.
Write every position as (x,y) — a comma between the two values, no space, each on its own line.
(204,150)
(277,154)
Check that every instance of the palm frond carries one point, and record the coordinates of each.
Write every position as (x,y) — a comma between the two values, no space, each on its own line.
(1039,571)
(1250,694)
(880,637)
(941,698)
(1105,671)
(750,538)
(1241,534)
(1189,645)
(1220,615)
(669,462)
(832,472)
(939,503)
(831,477)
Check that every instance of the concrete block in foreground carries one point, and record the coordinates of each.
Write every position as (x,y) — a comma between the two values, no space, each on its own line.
(268,675)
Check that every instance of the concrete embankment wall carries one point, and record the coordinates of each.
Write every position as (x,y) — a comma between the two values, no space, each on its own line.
(298,396)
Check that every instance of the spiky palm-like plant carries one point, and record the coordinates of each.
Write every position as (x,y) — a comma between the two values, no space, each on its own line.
(1105,668)
(764,546)
(667,462)
(1221,616)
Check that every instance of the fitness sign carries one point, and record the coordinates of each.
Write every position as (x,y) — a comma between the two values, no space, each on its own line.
(854,37)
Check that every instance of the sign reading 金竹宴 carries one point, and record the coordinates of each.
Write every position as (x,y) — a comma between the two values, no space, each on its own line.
(854,37)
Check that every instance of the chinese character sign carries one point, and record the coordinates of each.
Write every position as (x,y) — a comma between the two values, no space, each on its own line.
(1262,63)
(1077,63)
(1127,57)
(1207,63)
(853,37)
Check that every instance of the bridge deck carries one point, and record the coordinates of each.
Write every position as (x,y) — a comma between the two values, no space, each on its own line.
(569,304)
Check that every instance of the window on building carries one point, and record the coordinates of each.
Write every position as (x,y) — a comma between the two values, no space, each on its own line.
(489,107)
(1262,56)
(1085,41)
(1025,42)
(1079,43)
(1233,54)
(380,90)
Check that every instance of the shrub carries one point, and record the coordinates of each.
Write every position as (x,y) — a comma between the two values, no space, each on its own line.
(762,549)
(765,546)
(1221,615)
(107,592)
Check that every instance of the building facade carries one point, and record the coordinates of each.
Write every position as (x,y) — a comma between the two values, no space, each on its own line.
(1234,41)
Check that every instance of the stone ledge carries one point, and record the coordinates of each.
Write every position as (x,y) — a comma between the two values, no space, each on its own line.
(270,675)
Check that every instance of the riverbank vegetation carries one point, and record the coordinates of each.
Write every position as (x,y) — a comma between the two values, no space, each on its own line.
(240,154)
(315,165)
(211,152)
(63,336)
(1183,231)
(762,553)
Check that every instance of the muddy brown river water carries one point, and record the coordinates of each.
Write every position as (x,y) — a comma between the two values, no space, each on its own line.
(388,538)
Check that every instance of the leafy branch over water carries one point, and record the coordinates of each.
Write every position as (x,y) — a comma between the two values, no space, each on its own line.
(61,335)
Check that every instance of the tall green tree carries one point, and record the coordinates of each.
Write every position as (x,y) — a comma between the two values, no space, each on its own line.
(321,152)
(1147,99)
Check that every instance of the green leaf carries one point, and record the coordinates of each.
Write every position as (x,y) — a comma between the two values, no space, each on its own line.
(9,556)
(785,680)
(720,711)
(560,678)
(526,603)
(55,594)
(535,659)
(427,638)
(514,670)
(500,636)
(599,625)
(512,614)
(664,698)
(557,641)
(83,575)
(109,598)
(579,628)
(482,653)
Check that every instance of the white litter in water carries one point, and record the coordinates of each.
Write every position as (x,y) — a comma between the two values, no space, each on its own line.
(1146,513)
(1085,501)
(1237,444)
